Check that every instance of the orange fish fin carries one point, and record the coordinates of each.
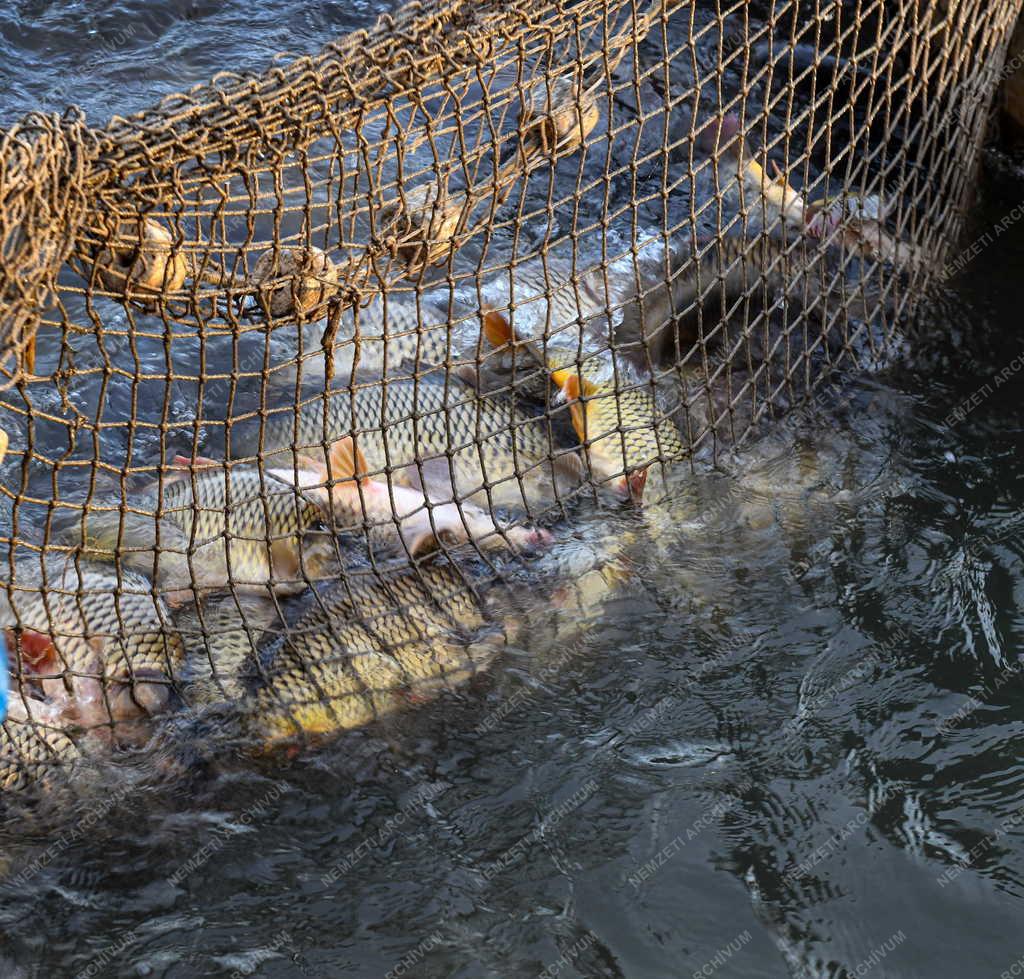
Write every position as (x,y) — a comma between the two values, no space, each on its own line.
(572,385)
(578,421)
(569,381)
(497,329)
(347,459)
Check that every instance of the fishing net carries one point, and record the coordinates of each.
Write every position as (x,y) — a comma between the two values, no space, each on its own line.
(296,363)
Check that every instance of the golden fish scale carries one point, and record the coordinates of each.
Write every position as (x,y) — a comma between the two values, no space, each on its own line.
(239,528)
(372,637)
(29,753)
(78,608)
(632,422)
(212,503)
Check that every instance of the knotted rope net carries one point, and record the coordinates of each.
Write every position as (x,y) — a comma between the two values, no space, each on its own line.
(303,367)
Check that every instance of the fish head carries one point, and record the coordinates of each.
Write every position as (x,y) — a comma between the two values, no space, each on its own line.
(621,432)
(722,141)
(92,681)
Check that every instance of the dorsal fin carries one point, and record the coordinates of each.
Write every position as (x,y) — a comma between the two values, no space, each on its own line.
(192,462)
(347,460)
(497,329)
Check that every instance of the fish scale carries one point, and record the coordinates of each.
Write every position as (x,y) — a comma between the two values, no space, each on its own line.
(30,754)
(490,442)
(251,525)
(637,430)
(369,637)
(78,605)
(419,629)
(624,425)
(110,637)
(210,529)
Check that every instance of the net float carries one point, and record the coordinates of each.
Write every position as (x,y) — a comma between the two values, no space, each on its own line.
(141,262)
(295,281)
(558,117)
(423,224)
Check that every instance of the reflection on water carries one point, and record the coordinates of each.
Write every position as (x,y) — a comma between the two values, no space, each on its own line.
(791,746)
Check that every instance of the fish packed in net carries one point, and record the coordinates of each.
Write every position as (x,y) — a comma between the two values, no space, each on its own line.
(393,359)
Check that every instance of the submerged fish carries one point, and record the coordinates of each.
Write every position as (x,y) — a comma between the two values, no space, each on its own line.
(367,641)
(396,336)
(439,436)
(625,316)
(373,642)
(210,528)
(222,636)
(31,754)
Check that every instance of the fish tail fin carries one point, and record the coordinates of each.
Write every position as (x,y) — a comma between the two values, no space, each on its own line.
(722,137)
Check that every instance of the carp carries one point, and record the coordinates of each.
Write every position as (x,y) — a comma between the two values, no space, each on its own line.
(369,640)
(397,517)
(440,436)
(90,648)
(623,429)
(376,641)
(31,754)
(208,528)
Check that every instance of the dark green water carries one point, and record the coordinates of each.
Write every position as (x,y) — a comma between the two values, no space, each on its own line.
(790,748)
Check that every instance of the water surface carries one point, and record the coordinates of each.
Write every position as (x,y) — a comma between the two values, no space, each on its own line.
(790,747)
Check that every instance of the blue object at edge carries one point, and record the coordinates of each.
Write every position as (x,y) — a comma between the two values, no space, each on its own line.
(3,677)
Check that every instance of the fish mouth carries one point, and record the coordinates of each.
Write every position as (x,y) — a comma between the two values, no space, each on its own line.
(538,539)
(148,691)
